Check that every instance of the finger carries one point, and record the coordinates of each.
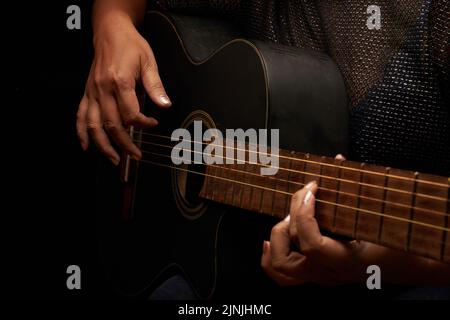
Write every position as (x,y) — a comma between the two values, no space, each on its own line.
(130,110)
(98,135)
(153,84)
(293,233)
(113,125)
(280,242)
(283,259)
(280,278)
(302,211)
(82,130)
(296,203)
(311,240)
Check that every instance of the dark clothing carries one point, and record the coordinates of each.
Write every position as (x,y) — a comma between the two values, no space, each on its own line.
(397,77)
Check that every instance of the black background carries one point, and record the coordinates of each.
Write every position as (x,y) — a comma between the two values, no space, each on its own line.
(48,209)
(48,218)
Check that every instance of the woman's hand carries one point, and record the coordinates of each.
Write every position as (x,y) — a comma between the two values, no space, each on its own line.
(319,259)
(122,59)
(322,260)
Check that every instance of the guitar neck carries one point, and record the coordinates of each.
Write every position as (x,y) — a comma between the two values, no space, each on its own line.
(399,209)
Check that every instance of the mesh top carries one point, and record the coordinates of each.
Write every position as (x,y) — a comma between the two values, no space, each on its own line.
(397,77)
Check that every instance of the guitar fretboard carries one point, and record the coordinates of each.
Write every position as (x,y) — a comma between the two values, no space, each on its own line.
(396,208)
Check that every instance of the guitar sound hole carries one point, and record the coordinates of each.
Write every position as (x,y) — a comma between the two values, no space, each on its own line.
(194,182)
(188,181)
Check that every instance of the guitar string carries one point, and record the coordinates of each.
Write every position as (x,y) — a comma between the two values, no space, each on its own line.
(340,218)
(419,223)
(289,193)
(315,162)
(328,177)
(438,213)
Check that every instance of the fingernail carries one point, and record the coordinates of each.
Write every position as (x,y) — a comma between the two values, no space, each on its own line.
(307,197)
(115,161)
(288,218)
(310,185)
(165,100)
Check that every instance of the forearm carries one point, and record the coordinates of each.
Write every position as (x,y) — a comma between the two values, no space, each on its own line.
(402,268)
(107,13)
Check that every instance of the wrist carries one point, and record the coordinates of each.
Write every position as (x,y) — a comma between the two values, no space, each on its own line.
(398,267)
(110,23)
(117,11)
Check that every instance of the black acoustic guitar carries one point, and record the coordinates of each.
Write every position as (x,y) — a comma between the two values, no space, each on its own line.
(208,221)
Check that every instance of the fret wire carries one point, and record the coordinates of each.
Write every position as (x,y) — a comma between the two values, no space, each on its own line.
(298,159)
(310,174)
(304,169)
(286,202)
(233,193)
(320,171)
(206,184)
(215,183)
(304,183)
(242,192)
(358,202)
(339,218)
(338,187)
(272,194)
(261,201)
(232,184)
(383,205)
(319,181)
(417,237)
(224,185)
(251,192)
(232,187)
(411,212)
(445,233)
(273,197)
(317,200)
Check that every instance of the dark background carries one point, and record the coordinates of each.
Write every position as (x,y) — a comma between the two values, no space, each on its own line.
(48,217)
(48,210)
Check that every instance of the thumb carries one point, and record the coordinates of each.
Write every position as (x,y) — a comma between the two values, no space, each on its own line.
(153,85)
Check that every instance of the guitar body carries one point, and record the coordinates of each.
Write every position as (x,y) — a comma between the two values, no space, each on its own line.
(154,224)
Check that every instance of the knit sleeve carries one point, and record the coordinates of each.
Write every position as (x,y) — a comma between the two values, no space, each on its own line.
(439,35)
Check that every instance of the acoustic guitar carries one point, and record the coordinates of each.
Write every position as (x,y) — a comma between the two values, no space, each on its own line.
(208,221)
